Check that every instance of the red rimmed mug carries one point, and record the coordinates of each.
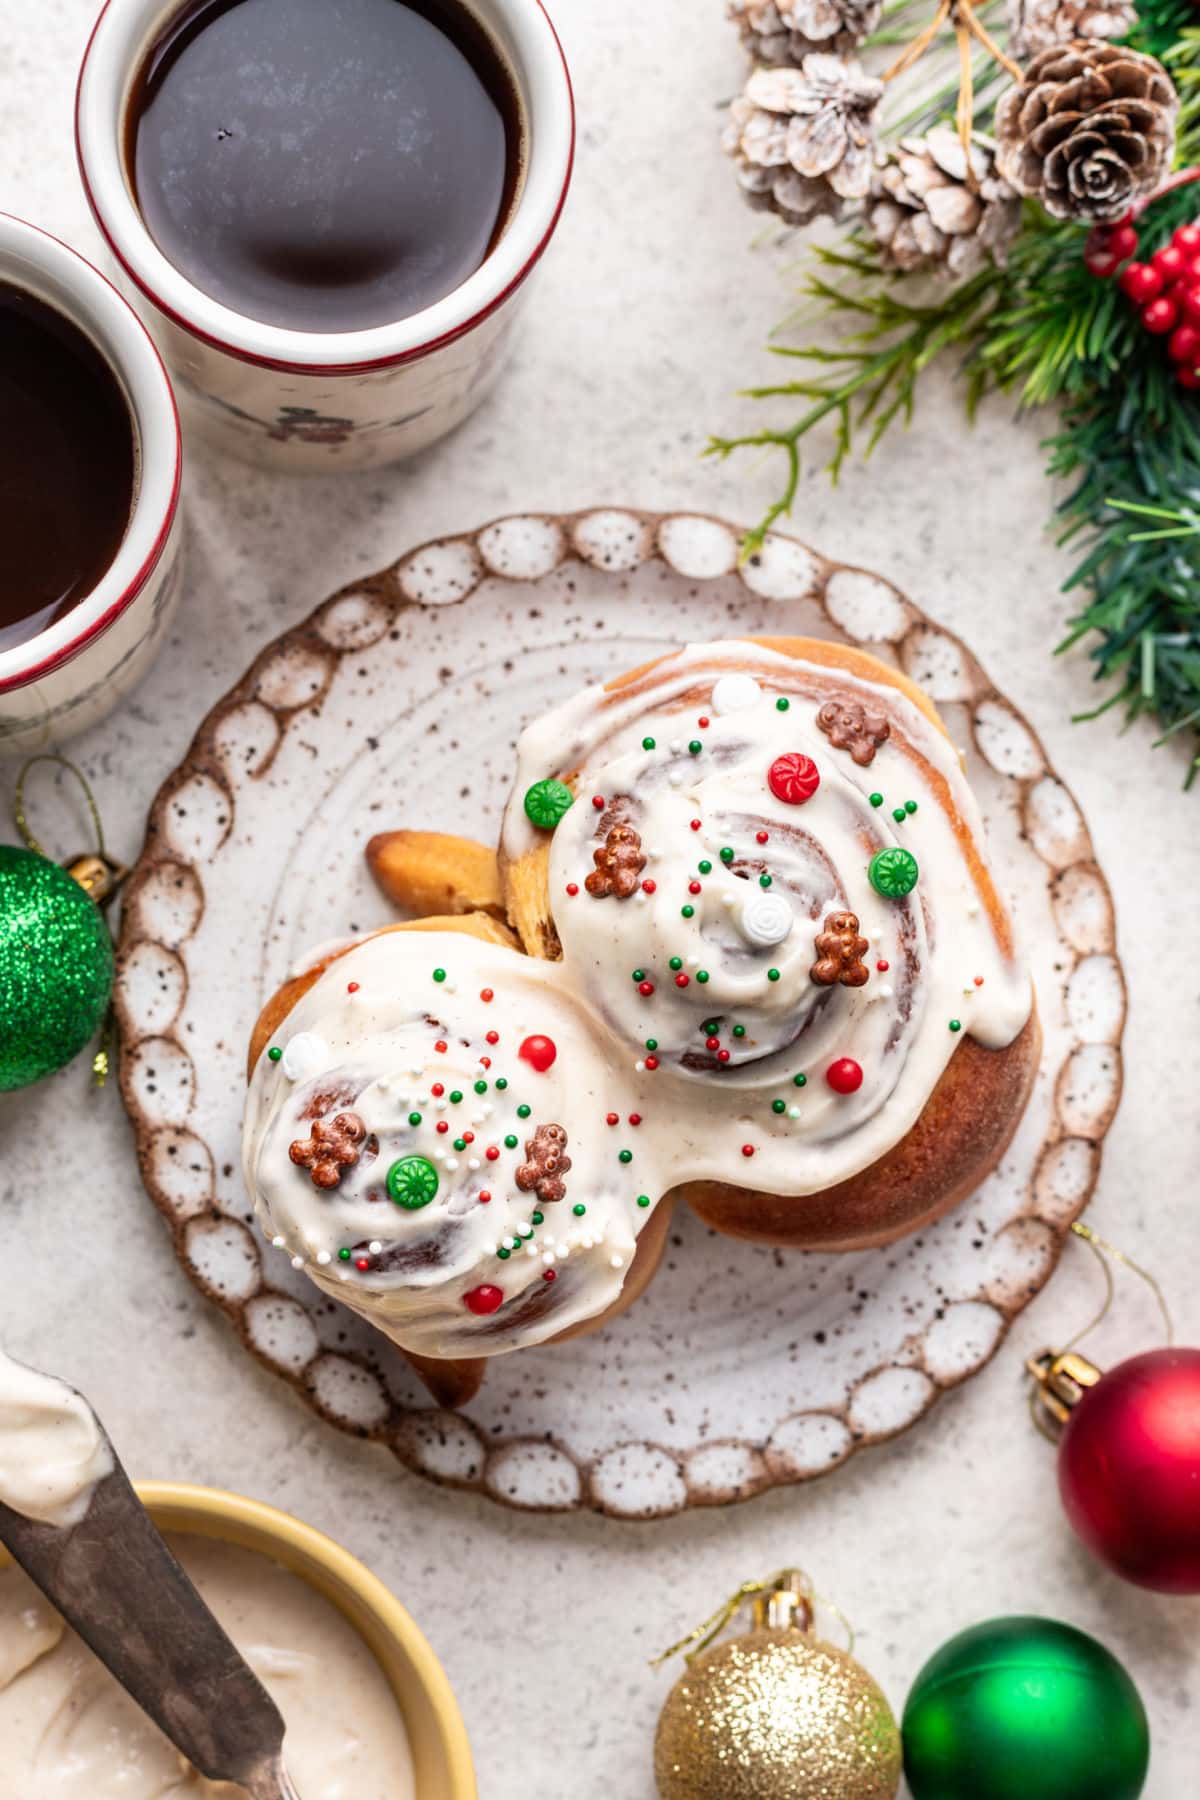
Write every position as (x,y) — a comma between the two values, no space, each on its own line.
(317,401)
(80,667)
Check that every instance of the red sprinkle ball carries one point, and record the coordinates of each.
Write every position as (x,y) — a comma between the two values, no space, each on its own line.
(352,987)
(442,1126)
(437,1090)
(484,1300)
(883,966)
(484,1197)
(493,1037)
(979,981)
(652,1062)
(695,824)
(702,723)
(762,837)
(612,1118)
(844,1076)
(486,995)
(441,1047)
(491,1152)
(682,980)
(793,778)
(723,1056)
(747,1149)
(549,1275)
(598,802)
(645,988)
(572,888)
(712,1043)
(363,1263)
(540,1052)
(635,1118)
(649,887)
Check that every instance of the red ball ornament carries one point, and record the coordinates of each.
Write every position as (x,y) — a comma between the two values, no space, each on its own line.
(1141,283)
(793,778)
(484,1300)
(1183,344)
(844,1076)
(1161,315)
(1129,1470)
(1188,239)
(538,1051)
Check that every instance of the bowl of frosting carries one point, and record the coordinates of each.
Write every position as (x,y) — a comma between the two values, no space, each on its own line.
(370,1714)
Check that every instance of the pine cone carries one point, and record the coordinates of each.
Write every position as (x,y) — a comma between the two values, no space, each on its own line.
(1035,25)
(925,215)
(784,31)
(804,139)
(1089,129)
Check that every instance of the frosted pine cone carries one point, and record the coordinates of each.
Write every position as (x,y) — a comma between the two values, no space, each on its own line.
(1089,129)
(804,140)
(926,217)
(784,31)
(1035,25)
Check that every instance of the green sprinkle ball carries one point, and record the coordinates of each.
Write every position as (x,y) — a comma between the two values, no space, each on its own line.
(695,747)
(876,799)
(439,974)
(687,912)
(956,1024)
(547,803)
(899,814)
(503,1254)
(705,868)
(676,962)
(648,743)
(412,1182)
(764,881)
(638,975)
(800,1080)
(772,974)
(523,1111)
(502,1082)
(910,806)
(893,873)
(643,1200)
(481,1087)
(274,1053)
(782,704)
(779,1106)
(625,1156)
(579,1210)
(711,1027)
(652,1043)
(456,1096)
(538,1218)
(701,976)
(739,1031)
(460,1143)
(727,855)
(414,1118)
(511,1141)
(343,1256)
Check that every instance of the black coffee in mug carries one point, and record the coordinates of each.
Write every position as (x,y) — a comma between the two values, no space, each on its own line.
(67,466)
(325,165)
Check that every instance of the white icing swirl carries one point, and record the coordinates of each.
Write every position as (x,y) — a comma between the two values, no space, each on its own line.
(724,993)
(52,1450)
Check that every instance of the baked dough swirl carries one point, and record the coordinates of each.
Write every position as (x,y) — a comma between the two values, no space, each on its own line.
(775,979)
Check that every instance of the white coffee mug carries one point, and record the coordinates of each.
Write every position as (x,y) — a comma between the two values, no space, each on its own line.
(320,401)
(74,672)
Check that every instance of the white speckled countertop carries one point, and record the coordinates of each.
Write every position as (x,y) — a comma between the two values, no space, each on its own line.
(647,317)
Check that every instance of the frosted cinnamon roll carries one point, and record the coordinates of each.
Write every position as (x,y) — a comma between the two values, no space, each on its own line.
(766,970)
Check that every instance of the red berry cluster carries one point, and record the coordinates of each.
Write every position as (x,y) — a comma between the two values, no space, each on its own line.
(1165,290)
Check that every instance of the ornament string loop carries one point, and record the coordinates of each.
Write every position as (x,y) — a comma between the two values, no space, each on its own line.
(1102,1250)
(21,817)
(790,1581)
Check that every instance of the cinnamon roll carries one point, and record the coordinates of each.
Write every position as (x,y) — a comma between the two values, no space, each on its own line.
(763,968)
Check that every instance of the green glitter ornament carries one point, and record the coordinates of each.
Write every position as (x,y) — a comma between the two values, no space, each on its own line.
(547,803)
(1025,1709)
(56,967)
(412,1182)
(893,873)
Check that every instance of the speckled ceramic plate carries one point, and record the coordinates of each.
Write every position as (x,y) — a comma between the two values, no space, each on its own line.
(398,703)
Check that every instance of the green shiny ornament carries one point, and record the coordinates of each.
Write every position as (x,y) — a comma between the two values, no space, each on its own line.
(547,803)
(893,873)
(56,967)
(412,1182)
(1025,1709)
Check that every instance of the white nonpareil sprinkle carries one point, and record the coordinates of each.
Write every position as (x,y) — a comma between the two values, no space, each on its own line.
(733,693)
(323,1257)
(304,1056)
(297,1262)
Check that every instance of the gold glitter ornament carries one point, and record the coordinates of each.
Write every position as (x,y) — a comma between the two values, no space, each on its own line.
(776,1714)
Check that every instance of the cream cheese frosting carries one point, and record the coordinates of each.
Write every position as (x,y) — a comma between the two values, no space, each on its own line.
(69,1732)
(52,1450)
(692,1041)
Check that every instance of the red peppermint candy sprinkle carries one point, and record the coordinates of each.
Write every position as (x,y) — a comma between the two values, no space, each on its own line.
(484,1300)
(540,1052)
(793,778)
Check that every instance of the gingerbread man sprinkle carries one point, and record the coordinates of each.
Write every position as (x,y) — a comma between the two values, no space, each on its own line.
(331,1149)
(840,951)
(548,1163)
(619,864)
(849,726)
